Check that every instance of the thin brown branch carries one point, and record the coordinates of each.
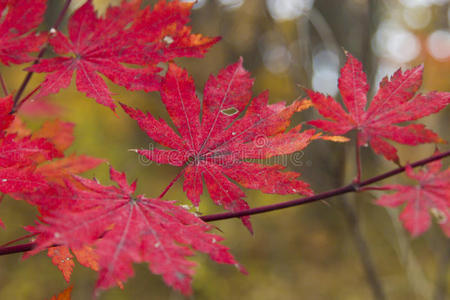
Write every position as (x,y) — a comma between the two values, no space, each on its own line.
(257,210)
(40,55)
(358,160)
(18,240)
(328,194)
(171,184)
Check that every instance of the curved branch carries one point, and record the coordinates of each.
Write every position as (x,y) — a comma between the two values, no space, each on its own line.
(353,187)
(16,249)
(257,210)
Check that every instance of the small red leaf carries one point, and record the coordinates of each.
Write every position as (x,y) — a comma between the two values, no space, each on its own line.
(430,195)
(393,103)
(63,259)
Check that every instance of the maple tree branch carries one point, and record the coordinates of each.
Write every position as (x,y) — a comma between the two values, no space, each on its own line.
(40,55)
(18,239)
(30,94)
(16,249)
(353,187)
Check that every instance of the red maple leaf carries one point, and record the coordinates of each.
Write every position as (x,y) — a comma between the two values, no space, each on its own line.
(394,103)
(63,259)
(19,17)
(18,161)
(123,229)
(28,169)
(52,173)
(125,35)
(430,195)
(221,145)
(19,156)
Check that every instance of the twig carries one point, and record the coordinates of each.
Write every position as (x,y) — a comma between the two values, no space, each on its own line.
(359,239)
(328,194)
(171,184)
(16,249)
(18,239)
(30,94)
(40,55)
(358,160)
(257,210)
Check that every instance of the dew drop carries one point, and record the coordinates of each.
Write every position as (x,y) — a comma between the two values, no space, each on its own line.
(168,39)
(4,180)
(185,206)
(157,244)
(233,133)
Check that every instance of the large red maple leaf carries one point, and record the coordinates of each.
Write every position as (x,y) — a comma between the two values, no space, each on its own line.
(19,156)
(394,103)
(19,17)
(126,34)
(431,194)
(123,229)
(220,146)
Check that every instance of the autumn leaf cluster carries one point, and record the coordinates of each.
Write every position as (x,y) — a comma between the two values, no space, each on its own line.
(218,139)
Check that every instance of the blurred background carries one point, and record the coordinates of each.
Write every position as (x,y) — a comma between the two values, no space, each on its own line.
(308,252)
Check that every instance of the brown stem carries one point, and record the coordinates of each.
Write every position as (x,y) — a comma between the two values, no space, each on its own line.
(358,160)
(40,55)
(171,184)
(18,239)
(30,94)
(353,220)
(16,249)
